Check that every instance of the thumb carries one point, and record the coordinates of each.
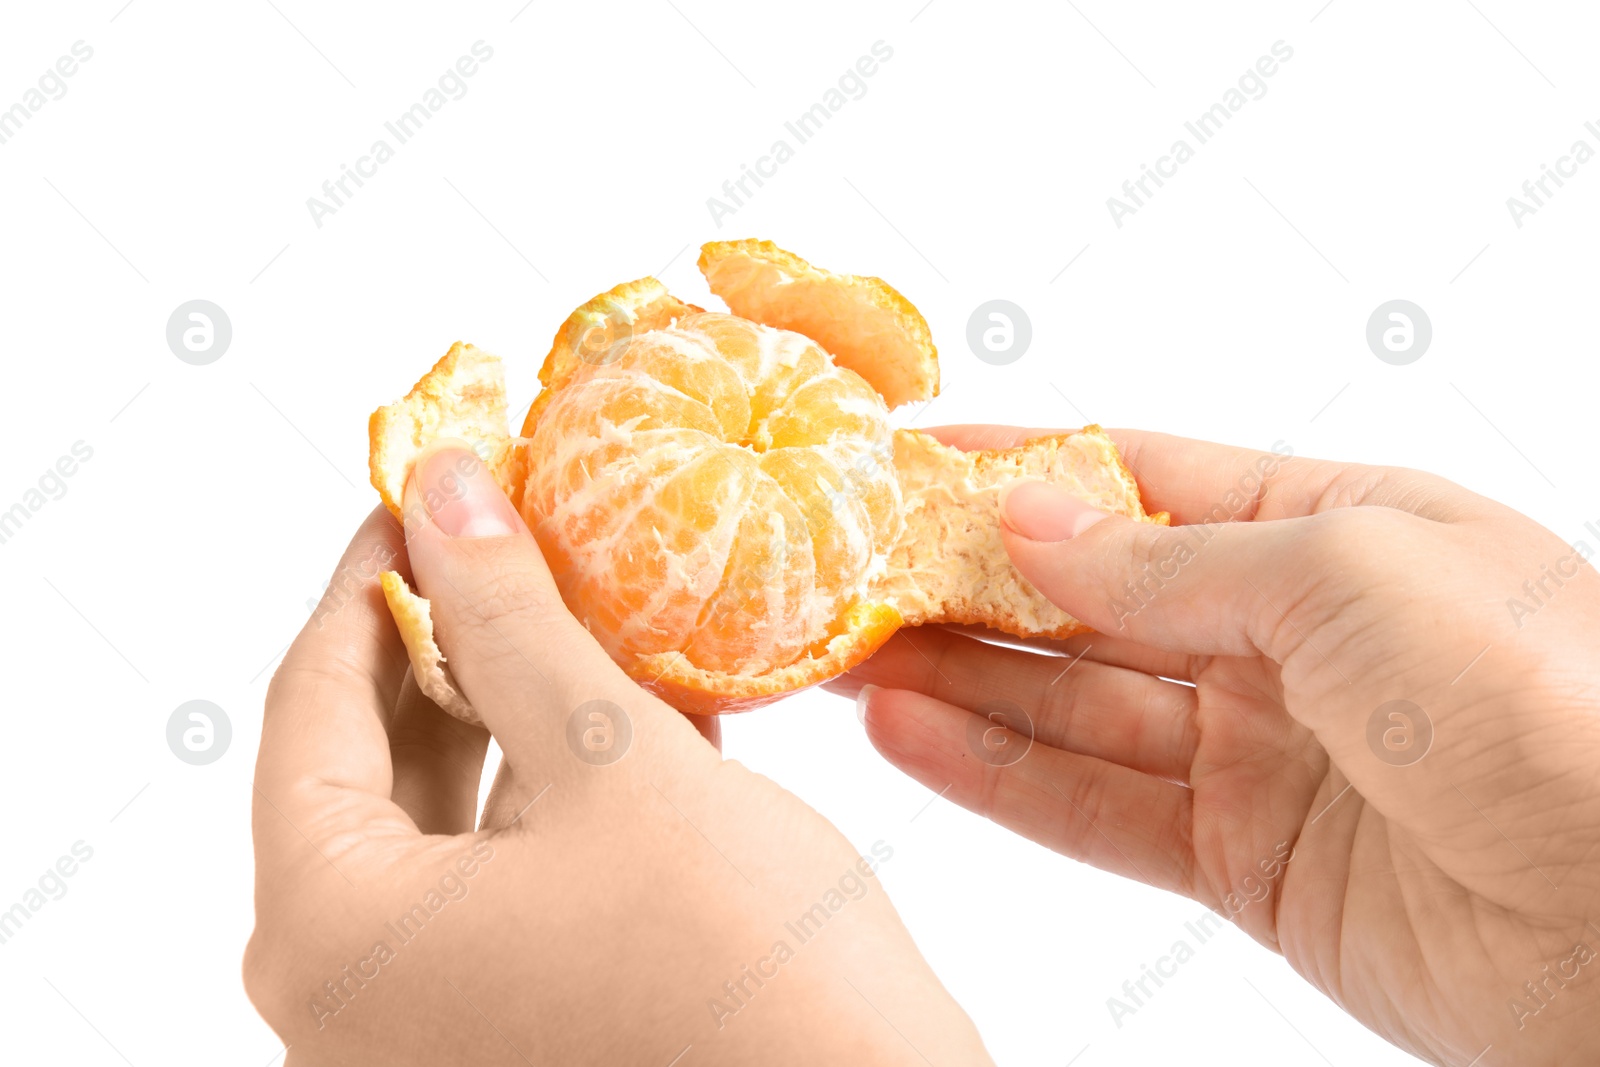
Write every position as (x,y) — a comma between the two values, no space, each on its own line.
(1212,589)
(515,650)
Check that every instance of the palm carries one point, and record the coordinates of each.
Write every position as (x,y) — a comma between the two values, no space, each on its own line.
(1424,892)
(1260,778)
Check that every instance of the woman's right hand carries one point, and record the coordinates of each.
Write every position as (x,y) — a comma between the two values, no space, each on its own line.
(1357,712)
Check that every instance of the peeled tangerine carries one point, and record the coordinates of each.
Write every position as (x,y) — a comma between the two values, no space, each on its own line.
(720,496)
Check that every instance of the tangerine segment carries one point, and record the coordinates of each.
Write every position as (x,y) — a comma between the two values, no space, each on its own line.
(766,609)
(672,557)
(591,335)
(583,517)
(836,404)
(863,322)
(772,363)
(869,474)
(626,402)
(843,530)
(683,361)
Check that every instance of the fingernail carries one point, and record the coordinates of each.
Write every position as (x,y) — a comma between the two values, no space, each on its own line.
(1040,511)
(862,698)
(453,488)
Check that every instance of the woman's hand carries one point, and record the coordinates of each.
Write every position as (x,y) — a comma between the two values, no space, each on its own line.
(637,899)
(1380,754)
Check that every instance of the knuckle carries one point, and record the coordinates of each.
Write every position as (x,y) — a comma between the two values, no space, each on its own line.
(1144,543)
(1400,488)
(1351,556)
(1145,551)
(1356,542)
(1351,487)
(506,596)
(502,598)
(1420,493)
(511,622)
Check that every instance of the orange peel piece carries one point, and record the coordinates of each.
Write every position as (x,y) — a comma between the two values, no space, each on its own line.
(863,322)
(463,396)
(951,566)
(413,617)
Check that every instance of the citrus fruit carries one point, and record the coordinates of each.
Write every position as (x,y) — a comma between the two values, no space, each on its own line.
(721,497)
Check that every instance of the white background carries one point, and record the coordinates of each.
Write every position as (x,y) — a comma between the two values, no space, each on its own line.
(1232,307)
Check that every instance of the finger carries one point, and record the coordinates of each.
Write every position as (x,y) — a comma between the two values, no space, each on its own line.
(1219,589)
(323,765)
(1106,712)
(438,763)
(1096,648)
(1103,814)
(1200,481)
(517,653)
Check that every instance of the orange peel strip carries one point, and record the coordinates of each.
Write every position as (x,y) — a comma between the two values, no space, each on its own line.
(412,615)
(863,322)
(463,396)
